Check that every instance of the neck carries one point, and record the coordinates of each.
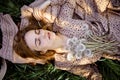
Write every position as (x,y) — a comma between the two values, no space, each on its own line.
(61,41)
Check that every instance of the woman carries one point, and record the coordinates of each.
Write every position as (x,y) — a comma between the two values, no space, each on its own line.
(7,51)
(93,15)
(69,62)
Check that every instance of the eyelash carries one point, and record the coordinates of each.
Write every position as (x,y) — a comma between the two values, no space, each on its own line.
(37,31)
(36,41)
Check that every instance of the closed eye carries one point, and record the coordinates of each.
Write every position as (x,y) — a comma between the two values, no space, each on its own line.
(37,42)
(37,31)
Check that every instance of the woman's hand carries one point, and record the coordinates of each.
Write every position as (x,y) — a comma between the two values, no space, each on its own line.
(39,10)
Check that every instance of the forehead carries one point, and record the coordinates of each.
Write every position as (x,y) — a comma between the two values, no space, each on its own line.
(30,38)
(31,33)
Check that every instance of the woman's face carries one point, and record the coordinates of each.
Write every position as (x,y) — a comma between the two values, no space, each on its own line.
(40,40)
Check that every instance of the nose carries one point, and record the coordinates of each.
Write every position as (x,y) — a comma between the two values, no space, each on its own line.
(43,33)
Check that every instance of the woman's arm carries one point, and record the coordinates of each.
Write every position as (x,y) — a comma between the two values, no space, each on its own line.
(35,10)
(88,71)
(9,30)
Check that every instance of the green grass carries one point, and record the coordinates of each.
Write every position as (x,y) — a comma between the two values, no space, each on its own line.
(109,69)
(12,7)
(38,72)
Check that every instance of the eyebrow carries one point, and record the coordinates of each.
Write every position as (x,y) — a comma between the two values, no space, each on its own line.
(38,41)
(37,31)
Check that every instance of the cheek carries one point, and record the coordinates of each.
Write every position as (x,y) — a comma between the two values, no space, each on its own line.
(46,42)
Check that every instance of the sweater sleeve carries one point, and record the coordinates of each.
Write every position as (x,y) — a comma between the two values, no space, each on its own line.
(9,30)
(70,27)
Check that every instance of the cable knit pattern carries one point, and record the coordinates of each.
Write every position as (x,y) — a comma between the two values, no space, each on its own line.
(9,30)
(114,23)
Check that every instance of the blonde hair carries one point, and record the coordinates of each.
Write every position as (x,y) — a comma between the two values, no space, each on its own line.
(24,51)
